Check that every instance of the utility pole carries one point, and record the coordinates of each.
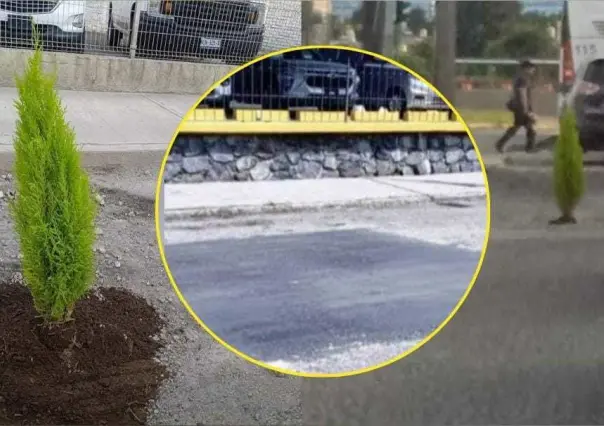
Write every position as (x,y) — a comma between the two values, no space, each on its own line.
(444,52)
(374,28)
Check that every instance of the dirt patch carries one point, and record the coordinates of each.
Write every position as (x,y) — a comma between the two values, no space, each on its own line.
(98,369)
(134,206)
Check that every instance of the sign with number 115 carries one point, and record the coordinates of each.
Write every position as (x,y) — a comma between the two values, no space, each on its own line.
(583,50)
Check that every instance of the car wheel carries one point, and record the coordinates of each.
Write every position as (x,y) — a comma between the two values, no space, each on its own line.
(143,48)
(113,35)
(81,48)
(395,104)
(396,101)
(141,39)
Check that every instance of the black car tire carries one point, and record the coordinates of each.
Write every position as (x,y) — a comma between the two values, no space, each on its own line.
(395,104)
(396,100)
(113,35)
(143,47)
(77,47)
(82,45)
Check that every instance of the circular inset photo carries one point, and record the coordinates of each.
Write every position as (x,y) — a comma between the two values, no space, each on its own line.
(322,211)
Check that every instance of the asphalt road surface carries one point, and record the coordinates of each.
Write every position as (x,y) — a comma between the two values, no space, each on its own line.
(290,297)
(337,294)
(526,347)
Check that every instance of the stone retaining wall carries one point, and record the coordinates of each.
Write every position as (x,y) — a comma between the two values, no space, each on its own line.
(227,158)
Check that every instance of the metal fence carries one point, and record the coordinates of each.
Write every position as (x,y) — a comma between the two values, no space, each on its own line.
(326,80)
(231,31)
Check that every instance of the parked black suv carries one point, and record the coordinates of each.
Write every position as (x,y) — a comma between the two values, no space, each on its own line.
(297,79)
(383,85)
(231,30)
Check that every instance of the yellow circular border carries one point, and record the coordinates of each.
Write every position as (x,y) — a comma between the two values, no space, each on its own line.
(426,339)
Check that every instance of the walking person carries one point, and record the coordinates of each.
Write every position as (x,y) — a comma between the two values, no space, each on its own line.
(521,105)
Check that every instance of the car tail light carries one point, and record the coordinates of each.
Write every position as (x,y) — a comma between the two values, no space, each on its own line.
(587,88)
(568,72)
(567,65)
(166,7)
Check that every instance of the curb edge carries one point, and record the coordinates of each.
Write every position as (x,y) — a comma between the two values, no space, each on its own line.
(283,208)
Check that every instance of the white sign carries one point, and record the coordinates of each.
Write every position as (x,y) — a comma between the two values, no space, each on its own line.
(585,50)
(210,43)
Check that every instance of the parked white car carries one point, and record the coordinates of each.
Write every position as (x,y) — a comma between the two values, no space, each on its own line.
(231,30)
(60,24)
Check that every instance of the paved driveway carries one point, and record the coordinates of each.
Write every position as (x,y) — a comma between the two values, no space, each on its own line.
(305,296)
(328,291)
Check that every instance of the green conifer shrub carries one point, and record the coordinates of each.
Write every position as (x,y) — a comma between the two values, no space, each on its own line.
(54,211)
(569,175)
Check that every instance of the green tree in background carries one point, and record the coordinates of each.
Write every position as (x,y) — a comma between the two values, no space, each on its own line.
(417,20)
(500,29)
(420,58)
(479,23)
(402,12)
(524,41)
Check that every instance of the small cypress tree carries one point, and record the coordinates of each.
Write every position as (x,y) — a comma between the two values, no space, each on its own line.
(54,211)
(569,175)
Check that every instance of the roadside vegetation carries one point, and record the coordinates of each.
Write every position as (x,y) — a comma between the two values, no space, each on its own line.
(569,175)
(54,211)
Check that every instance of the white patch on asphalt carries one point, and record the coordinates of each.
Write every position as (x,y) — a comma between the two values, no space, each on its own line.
(348,358)
(464,228)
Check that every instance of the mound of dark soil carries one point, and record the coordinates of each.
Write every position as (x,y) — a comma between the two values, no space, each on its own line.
(97,369)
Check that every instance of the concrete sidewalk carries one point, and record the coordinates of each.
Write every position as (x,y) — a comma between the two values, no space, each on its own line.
(109,122)
(545,124)
(232,198)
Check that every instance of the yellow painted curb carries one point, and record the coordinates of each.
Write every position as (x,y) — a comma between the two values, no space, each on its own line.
(259,121)
(284,127)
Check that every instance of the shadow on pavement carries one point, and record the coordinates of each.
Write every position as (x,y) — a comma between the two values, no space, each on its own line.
(546,144)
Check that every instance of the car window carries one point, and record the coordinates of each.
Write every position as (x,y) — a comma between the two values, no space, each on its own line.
(594,73)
